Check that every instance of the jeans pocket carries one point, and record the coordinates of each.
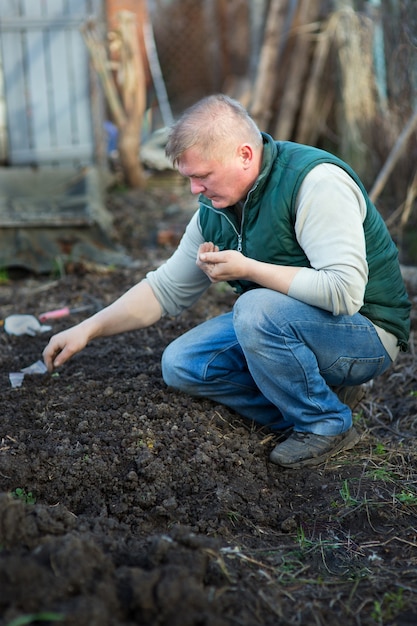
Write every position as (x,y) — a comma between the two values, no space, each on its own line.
(354,371)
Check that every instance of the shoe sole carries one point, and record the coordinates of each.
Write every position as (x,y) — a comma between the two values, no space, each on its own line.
(347,443)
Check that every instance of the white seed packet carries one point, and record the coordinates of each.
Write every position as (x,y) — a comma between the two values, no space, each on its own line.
(16,379)
(36,368)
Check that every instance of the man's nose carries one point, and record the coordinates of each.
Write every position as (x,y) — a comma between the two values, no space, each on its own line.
(196,187)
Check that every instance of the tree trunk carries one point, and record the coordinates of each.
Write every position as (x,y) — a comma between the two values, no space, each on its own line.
(129,146)
(124,88)
(132,82)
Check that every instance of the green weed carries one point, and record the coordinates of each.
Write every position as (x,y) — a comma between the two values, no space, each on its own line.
(347,498)
(24,496)
(391,604)
(406,497)
(4,276)
(233,517)
(24,620)
(380,449)
(58,267)
(380,473)
(303,542)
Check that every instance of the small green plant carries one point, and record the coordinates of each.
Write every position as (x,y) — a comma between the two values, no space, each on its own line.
(303,542)
(24,496)
(32,618)
(4,276)
(392,603)
(406,497)
(290,569)
(413,394)
(380,473)
(233,517)
(344,491)
(377,612)
(58,267)
(380,449)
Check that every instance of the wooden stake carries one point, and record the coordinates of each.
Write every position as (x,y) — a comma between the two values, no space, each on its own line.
(313,113)
(308,11)
(261,108)
(393,157)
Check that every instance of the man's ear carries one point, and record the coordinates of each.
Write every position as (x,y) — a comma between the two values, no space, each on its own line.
(246,155)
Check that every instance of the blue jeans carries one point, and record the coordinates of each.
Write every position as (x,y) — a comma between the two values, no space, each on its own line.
(274,359)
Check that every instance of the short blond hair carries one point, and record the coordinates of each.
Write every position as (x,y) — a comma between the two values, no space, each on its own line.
(216,125)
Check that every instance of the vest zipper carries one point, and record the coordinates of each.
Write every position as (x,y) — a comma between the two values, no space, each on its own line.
(239,235)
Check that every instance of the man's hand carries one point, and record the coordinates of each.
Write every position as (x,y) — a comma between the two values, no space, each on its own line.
(137,308)
(233,265)
(63,346)
(221,266)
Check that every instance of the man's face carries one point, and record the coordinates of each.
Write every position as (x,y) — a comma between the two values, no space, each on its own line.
(224,182)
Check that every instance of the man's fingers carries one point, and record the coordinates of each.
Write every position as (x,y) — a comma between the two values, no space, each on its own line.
(212,257)
(207,247)
(49,358)
(54,354)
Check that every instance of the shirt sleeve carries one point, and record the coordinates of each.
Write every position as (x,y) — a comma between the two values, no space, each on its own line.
(179,282)
(330,213)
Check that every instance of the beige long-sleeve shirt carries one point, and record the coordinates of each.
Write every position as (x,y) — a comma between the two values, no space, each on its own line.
(330,213)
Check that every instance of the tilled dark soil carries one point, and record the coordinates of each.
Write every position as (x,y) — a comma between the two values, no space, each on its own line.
(124,502)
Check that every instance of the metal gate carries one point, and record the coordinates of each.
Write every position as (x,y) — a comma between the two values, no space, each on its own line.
(47,88)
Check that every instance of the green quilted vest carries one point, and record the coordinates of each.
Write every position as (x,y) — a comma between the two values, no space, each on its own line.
(266,231)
